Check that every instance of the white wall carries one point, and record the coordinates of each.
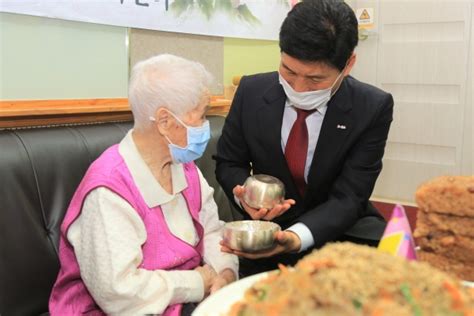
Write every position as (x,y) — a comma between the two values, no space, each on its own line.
(43,58)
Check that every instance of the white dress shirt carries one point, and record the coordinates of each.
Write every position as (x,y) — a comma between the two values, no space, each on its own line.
(108,235)
(314,122)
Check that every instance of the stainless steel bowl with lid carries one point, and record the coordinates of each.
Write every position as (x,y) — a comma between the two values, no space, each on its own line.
(263,191)
(249,236)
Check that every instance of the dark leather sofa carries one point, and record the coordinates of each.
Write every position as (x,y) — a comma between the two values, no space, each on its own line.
(40,169)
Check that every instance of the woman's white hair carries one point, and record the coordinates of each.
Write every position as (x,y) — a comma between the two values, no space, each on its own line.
(165,81)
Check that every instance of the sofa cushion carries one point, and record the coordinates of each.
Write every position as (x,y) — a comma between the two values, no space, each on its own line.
(40,169)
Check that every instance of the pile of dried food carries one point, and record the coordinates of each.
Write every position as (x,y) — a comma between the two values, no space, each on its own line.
(349,279)
(445,224)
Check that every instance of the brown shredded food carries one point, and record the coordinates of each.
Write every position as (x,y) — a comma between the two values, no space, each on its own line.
(348,279)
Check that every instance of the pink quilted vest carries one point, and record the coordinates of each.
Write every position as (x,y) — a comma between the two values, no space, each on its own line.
(162,250)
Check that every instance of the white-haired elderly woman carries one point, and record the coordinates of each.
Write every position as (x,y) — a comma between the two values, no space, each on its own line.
(141,235)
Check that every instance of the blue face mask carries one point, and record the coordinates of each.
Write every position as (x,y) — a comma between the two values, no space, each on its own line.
(198,137)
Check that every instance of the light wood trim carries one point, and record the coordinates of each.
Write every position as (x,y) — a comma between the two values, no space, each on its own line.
(25,113)
(61,107)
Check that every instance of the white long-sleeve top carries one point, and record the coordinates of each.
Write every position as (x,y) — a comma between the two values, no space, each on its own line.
(108,235)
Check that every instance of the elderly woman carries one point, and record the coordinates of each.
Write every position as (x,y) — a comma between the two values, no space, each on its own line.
(141,235)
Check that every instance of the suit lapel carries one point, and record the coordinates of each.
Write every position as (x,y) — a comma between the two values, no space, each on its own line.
(337,125)
(270,117)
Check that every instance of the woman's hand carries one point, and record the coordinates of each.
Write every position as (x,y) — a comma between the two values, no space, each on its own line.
(225,277)
(262,213)
(285,241)
(208,275)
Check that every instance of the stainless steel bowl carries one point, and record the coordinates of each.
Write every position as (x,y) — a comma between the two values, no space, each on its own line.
(263,191)
(249,236)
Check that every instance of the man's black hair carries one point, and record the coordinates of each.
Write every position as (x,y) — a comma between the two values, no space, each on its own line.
(320,31)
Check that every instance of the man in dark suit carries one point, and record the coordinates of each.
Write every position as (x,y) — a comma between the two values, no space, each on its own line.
(315,128)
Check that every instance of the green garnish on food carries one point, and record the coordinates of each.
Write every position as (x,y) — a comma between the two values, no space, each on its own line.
(261,294)
(357,304)
(241,312)
(405,289)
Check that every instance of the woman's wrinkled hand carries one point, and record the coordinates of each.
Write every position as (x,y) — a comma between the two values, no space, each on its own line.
(227,276)
(263,213)
(208,275)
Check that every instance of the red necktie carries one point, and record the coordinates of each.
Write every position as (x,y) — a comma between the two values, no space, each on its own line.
(297,148)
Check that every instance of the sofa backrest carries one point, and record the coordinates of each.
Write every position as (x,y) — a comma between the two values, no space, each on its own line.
(40,169)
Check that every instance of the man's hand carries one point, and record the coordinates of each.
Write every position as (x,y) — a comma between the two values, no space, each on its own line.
(225,277)
(208,275)
(285,242)
(262,213)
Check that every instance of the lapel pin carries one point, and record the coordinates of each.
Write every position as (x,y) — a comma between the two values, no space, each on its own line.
(341,126)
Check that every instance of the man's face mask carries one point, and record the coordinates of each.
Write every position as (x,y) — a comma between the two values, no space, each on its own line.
(309,100)
(197,138)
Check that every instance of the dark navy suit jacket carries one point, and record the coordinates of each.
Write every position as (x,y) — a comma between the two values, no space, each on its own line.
(346,162)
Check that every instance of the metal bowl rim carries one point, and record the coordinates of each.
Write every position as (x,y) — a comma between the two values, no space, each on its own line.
(235,226)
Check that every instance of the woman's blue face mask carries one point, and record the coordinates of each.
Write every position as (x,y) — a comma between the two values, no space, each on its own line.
(197,138)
